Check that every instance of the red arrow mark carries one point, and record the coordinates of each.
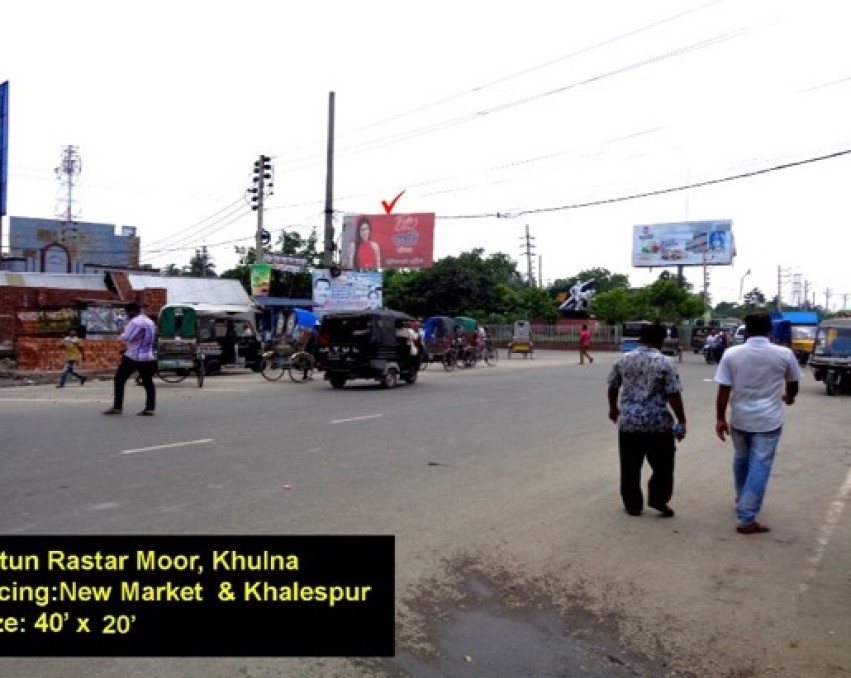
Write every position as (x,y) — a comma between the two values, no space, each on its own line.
(388,207)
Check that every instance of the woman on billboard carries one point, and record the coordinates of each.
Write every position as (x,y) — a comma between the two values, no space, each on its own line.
(365,251)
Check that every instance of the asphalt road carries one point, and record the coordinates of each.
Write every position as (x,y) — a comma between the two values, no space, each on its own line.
(513,554)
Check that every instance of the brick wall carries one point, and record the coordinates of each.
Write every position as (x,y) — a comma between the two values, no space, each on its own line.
(46,355)
(42,353)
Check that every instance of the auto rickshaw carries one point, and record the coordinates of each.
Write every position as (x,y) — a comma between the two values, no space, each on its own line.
(831,358)
(521,340)
(373,344)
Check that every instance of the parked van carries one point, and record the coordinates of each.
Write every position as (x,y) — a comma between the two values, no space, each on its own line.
(739,335)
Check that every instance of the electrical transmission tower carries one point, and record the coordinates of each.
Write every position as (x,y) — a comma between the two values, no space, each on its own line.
(68,172)
(526,250)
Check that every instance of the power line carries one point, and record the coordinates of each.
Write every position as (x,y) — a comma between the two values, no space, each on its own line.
(661,191)
(517,74)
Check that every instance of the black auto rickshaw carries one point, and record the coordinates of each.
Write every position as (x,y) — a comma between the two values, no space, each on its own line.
(831,358)
(373,344)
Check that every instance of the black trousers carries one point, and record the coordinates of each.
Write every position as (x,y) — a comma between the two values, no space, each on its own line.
(659,449)
(147,369)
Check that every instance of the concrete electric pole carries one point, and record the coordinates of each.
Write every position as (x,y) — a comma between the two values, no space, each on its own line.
(262,186)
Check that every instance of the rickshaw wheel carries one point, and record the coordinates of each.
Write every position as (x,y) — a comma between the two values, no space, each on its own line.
(272,368)
(390,379)
(491,356)
(411,377)
(449,360)
(831,389)
(337,381)
(301,367)
(173,377)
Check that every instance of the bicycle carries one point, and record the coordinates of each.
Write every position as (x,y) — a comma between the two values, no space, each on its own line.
(488,353)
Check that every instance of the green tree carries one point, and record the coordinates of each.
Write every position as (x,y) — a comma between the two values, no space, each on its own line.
(619,305)
(284,284)
(668,302)
(468,284)
(729,309)
(754,299)
(200,265)
(171,271)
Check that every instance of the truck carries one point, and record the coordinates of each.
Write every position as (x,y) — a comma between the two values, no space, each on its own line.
(802,327)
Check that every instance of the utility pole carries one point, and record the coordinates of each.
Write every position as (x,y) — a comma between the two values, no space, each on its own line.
(806,294)
(828,293)
(328,251)
(526,250)
(262,181)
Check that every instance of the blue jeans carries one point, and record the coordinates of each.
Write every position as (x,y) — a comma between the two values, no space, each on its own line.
(752,460)
(69,369)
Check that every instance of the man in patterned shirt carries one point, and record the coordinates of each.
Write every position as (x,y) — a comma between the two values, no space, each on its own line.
(648,384)
(138,355)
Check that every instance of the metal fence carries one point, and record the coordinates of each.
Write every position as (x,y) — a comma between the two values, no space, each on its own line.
(569,334)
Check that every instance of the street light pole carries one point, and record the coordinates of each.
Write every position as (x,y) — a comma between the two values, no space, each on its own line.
(742,285)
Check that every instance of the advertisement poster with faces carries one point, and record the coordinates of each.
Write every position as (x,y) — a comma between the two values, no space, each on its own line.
(351,291)
(373,241)
(687,243)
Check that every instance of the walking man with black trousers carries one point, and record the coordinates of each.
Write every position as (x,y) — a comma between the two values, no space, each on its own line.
(648,384)
(138,356)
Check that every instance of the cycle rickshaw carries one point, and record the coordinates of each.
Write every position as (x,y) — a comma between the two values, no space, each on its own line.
(438,337)
(201,339)
(521,340)
(292,351)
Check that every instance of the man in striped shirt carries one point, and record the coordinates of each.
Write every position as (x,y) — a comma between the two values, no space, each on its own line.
(138,355)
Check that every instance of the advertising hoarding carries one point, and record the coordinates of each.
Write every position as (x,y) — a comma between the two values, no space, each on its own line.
(686,243)
(373,241)
(351,291)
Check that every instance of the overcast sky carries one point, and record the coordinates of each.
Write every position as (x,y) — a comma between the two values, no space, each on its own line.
(475,108)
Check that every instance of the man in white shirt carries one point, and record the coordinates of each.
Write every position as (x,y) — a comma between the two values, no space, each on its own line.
(755,378)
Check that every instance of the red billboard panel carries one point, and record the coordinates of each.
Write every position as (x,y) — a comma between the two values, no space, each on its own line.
(373,241)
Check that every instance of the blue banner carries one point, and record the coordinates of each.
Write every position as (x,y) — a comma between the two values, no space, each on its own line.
(4,144)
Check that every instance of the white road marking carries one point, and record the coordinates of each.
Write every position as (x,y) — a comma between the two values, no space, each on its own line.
(53,400)
(368,416)
(164,447)
(831,520)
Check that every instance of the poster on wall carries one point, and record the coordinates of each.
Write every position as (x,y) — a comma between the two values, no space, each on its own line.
(102,321)
(687,243)
(374,241)
(261,279)
(351,291)
(35,323)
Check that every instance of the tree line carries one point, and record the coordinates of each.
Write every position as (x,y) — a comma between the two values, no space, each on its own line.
(489,288)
